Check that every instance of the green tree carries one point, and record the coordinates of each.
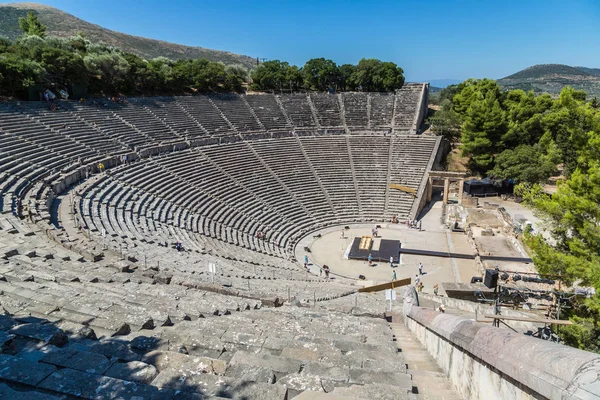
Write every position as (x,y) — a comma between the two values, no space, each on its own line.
(320,74)
(482,129)
(376,76)
(108,70)
(345,72)
(472,90)
(17,74)
(274,75)
(572,215)
(524,164)
(31,25)
(65,66)
(445,122)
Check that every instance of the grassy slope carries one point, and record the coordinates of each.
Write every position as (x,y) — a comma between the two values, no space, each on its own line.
(61,24)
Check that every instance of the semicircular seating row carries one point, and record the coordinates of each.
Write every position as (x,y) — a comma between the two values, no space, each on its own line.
(260,195)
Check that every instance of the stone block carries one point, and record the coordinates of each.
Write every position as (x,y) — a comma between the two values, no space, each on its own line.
(363,377)
(334,373)
(373,391)
(91,386)
(300,354)
(13,369)
(7,323)
(94,363)
(278,364)
(44,332)
(247,373)
(163,360)
(6,392)
(112,348)
(297,383)
(136,371)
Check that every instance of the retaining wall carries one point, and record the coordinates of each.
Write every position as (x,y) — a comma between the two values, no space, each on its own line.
(485,362)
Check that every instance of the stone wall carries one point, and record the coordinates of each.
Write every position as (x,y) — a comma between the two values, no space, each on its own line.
(485,362)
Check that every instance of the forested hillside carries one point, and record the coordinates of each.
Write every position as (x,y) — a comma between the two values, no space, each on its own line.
(63,25)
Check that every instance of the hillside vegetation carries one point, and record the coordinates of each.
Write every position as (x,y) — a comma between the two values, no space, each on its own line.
(551,78)
(520,136)
(63,25)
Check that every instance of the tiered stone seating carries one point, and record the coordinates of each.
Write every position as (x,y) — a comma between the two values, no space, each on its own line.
(144,121)
(328,109)
(410,157)
(237,112)
(298,110)
(407,106)
(356,110)
(102,118)
(68,125)
(268,112)
(370,161)
(331,160)
(97,302)
(170,112)
(382,110)
(203,110)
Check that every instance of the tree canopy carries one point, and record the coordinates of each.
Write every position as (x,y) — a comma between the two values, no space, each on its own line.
(322,74)
(527,138)
(31,25)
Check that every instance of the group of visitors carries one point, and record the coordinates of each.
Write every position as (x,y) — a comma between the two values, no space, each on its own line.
(414,224)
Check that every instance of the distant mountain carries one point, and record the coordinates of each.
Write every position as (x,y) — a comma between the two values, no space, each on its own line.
(61,24)
(442,83)
(551,78)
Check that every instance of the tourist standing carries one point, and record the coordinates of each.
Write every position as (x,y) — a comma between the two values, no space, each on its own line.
(392,261)
(305,261)
(370,259)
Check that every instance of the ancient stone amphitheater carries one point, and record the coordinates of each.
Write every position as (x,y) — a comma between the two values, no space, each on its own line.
(98,304)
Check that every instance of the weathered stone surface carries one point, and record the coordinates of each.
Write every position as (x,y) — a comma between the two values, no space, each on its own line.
(333,373)
(6,392)
(136,371)
(261,391)
(92,386)
(310,395)
(373,391)
(82,360)
(280,365)
(300,354)
(6,323)
(250,373)
(163,360)
(5,339)
(17,370)
(363,376)
(44,332)
(148,343)
(297,383)
(112,348)
(207,384)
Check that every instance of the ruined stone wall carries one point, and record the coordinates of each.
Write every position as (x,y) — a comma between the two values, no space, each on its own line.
(484,362)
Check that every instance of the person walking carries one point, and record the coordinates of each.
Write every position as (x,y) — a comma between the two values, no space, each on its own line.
(417,280)
(420,269)
(392,261)
(370,260)
(394,276)
(305,261)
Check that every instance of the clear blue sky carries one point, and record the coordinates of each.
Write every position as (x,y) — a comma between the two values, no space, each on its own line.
(429,39)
